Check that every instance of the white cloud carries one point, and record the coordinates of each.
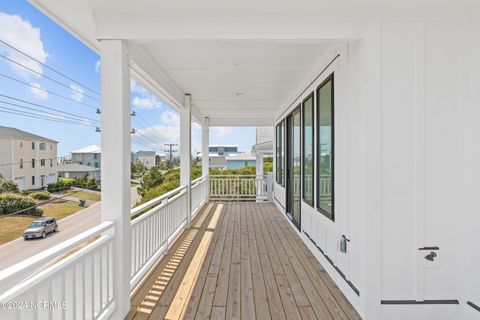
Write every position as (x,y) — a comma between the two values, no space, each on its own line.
(170,118)
(77,92)
(97,66)
(137,88)
(22,35)
(220,132)
(39,94)
(160,134)
(147,103)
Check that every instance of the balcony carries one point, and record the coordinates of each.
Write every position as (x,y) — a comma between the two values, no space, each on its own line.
(239,259)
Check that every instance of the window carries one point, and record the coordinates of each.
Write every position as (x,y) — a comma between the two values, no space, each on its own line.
(42,162)
(325,142)
(33,145)
(51,162)
(51,146)
(95,156)
(280,146)
(33,180)
(21,163)
(43,146)
(33,163)
(21,144)
(308,133)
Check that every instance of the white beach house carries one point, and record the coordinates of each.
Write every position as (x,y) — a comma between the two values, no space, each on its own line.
(373,209)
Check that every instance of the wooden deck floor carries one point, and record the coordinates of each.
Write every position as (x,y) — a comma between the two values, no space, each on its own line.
(239,261)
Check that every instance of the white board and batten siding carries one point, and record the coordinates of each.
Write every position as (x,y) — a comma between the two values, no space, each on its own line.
(417,169)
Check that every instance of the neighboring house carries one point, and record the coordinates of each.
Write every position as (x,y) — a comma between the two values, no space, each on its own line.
(240,160)
(88,156)
(27,159)
(75,170)
(147,158)
(228,157)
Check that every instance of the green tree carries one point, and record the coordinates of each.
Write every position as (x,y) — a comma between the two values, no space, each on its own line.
(151,179)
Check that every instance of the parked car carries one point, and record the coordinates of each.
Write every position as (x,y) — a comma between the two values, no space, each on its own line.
(40,228)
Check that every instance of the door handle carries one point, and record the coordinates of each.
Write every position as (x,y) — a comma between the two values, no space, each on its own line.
(431,256)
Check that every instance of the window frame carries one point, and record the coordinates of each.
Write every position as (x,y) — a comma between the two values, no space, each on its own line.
(330,78)
(33,145)
(33,163)
(310,96)
(280,146)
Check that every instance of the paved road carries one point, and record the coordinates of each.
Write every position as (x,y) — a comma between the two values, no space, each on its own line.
(19,249)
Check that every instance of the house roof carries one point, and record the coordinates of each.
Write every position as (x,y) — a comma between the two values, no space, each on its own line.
(14,133)
(145,153)
(90,149)
(75,167)
(241,156)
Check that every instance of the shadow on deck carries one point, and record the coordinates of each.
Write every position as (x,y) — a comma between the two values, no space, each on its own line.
(239,261)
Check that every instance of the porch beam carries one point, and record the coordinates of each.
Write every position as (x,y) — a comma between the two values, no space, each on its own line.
(115,142)
(261,27)
(186,152)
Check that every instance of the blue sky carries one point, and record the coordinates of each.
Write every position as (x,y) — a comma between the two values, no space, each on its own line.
(26,28)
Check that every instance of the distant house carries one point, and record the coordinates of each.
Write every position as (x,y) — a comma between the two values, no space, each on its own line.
(88,156)
(75,170)
(147,158)
(27,159)
(228,157)
(240,160)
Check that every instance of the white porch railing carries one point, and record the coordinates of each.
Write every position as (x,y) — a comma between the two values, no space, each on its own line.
(61,283)
(238,188)
(162,220)
(199,194)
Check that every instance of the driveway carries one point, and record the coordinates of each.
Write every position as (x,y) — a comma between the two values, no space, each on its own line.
(19,249)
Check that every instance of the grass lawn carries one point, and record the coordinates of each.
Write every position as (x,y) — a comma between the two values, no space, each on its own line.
(86,195)
(13,227)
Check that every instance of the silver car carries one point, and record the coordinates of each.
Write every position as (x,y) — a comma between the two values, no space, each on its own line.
(40,228)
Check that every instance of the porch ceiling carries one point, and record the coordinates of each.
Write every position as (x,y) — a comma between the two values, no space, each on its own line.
(240,60)
(237,82)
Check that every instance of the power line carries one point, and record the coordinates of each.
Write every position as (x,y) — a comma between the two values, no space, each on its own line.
(49,78)
(25,114)
(81,118)
(47,66)
(47,91)
(148,141)
(15,163)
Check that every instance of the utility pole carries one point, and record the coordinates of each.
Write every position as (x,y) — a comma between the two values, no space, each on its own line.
(170,151)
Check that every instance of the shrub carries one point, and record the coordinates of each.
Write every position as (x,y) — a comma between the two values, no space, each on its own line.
(66,182)
(7,185)
(10,203)
(40,195)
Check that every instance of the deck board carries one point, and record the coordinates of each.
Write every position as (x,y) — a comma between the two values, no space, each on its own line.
(239,261)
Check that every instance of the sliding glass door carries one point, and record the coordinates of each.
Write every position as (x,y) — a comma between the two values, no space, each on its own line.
(294,166)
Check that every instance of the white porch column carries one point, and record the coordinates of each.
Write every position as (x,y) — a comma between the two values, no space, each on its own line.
(115,139)
(206,156)
(205,144)
(186,152)
(259,163)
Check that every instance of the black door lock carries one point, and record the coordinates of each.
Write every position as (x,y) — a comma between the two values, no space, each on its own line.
(431,256)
